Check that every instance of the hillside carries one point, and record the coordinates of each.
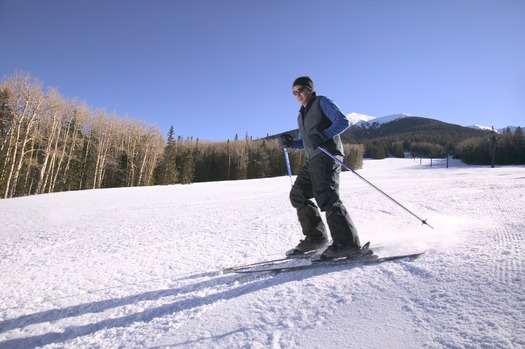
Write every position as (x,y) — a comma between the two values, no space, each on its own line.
(140,267)
(413,129)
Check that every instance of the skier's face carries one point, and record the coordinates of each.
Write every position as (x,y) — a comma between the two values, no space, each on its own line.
(302,94)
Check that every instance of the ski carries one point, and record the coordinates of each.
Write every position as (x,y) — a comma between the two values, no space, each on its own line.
(269,262)
(319,263)
(290,256)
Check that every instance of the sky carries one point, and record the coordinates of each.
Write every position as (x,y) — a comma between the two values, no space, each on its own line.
(216,69)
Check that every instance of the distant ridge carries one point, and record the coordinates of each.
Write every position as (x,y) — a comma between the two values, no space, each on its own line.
(410,128)
(364,120)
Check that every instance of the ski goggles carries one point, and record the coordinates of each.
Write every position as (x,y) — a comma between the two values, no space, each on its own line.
(299,90)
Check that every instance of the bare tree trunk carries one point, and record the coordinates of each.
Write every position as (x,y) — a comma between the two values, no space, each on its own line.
(14,152)
(105,128)
(50,139)
(153,146)
(31,163)
(24,101)
(9,159)
(74,140)
(62,154)
(84,163)
(143,165)
(26,111)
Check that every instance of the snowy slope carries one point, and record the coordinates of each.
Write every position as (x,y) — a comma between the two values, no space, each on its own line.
(135,267)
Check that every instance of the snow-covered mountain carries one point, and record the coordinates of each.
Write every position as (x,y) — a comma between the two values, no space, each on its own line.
(356,118)
(480,127)
(499,130)
(367,120)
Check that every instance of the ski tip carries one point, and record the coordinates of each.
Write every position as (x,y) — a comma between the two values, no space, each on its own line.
(293,252)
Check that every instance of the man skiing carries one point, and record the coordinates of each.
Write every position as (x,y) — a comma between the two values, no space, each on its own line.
(320,124)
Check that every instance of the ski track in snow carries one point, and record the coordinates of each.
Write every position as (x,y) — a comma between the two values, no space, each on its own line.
(140,267)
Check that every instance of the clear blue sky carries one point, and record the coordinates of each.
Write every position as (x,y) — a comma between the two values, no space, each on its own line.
(217,68)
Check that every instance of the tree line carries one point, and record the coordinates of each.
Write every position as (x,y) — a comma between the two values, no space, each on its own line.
(422,137)
(188,161)
(507,148)
(51,144)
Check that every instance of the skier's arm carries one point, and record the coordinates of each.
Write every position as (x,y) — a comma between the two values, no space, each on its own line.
(339,120)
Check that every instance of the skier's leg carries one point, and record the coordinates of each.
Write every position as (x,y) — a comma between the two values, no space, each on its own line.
(307,212)
(325,182)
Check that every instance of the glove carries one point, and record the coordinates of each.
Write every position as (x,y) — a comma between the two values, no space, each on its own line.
(285,141)
(317,139)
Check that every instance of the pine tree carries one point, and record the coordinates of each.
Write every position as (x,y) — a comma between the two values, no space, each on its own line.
(168,172)
(262,161)
(188,165)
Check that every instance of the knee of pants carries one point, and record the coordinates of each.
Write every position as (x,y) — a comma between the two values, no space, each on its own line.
(298,198)
(336,209)
(327,201)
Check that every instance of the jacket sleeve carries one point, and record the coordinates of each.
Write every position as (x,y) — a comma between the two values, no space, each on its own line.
(339,120)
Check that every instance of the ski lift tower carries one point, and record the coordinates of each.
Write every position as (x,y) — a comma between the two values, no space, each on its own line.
(493,147)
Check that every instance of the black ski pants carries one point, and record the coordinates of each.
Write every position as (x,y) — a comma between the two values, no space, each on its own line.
(319,180)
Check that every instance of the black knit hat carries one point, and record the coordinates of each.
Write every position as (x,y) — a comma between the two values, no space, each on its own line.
(304,81)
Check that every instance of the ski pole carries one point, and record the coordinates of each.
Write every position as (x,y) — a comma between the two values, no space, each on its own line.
(288,165)
(423,221)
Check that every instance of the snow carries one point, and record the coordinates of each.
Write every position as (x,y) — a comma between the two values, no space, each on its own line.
(139,267)
(356,118)
(481,127)
(366,120)
(512,129)
(389,118)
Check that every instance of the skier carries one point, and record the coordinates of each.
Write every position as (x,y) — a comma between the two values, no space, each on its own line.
(320,124)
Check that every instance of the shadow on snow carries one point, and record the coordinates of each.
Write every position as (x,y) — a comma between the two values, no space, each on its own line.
(238,285)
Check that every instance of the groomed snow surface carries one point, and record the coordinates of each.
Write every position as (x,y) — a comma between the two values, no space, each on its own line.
(136,267)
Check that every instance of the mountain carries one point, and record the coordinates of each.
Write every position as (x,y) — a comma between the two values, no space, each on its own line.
(403,127)
(398,134)
(499,130)
(480,127)
(367,121)
(369,127)
(356,118)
